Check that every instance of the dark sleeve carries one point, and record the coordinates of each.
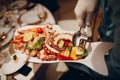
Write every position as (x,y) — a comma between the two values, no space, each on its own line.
(52,5)
(115,54)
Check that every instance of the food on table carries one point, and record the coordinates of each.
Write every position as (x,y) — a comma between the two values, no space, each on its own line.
(15,58)
(78,52)
(47,44)
(11,50)
(28,36)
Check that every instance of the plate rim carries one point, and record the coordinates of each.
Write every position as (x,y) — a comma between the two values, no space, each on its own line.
(9,36)
(6,66)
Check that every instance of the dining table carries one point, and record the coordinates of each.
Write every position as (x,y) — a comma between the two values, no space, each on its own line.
(19,14)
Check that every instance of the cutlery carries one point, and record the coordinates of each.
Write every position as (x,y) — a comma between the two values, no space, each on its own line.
(76,35)
(82,34)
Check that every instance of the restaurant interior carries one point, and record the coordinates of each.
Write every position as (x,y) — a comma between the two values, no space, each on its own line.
(16,16)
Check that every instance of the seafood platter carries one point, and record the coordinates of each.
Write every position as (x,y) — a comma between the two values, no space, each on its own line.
(47,44)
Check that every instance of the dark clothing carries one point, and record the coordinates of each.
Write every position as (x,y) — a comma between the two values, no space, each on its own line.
(109,31)
(52,5)
(114,61)
(75,74)
(106,29)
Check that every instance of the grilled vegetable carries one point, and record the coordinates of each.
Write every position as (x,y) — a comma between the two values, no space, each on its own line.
(33,53)
(66,52)
(60,43)
(78,52)
(37,45)
(61,57)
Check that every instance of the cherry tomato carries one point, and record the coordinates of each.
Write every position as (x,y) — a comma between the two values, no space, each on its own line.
(39,30)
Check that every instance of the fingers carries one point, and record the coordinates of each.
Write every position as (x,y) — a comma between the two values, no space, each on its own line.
(84,12)
(80,16)
(80,20)
(79,12)
(84,19)
(88,19)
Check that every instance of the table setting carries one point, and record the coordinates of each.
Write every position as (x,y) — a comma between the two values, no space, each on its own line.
(12,17)
(21,13)
(49,44)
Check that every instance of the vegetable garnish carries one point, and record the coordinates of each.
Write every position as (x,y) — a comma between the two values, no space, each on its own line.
(39,30)
(37,45)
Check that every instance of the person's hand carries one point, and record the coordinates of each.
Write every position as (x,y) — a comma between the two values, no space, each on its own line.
(84,11)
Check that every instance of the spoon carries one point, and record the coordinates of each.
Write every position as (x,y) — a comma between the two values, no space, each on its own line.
(80,34)
(76,35)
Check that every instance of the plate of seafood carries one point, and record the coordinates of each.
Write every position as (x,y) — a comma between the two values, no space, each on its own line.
(47,44)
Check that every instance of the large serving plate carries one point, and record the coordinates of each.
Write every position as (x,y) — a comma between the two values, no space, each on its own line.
(2,76)
(56,28)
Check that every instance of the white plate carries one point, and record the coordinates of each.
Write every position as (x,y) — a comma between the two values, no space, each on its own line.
(55,27)
(30,17)
(2,76)
(20,4)
(9,37)
(11,66)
